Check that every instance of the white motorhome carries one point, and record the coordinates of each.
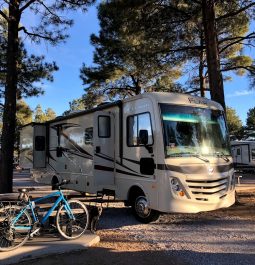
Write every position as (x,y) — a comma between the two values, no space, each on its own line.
(243,153)
(159,152)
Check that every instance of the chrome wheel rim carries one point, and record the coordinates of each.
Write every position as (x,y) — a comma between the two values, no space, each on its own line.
(142,207)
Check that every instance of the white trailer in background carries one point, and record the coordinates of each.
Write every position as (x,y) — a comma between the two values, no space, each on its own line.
(243,153)
(159,152)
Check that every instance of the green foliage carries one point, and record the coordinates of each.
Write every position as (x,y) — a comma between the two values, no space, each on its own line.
(250,121)
(49,23)
(24,113)
(41,116)
(32,70)
(124,64)
(50,114)
(147,45)
(233,121)
(74,105)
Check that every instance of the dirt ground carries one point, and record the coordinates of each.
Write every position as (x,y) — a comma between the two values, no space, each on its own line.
(224,236)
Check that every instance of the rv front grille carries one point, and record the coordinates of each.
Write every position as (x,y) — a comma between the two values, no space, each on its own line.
(204,190)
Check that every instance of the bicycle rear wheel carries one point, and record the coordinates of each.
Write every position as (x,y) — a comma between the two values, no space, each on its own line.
(68,227)
(13,236)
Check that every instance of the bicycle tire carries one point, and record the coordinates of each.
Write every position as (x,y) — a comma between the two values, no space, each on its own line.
(72,229)
(11,238)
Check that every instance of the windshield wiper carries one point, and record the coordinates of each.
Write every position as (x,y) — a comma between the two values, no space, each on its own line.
(201,158)
(222,155)
(192,155)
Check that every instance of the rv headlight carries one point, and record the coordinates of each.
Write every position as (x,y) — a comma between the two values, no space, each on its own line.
(176,187)
(174,181)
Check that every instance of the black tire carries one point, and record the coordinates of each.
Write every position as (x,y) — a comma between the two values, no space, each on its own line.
(72,229)
(142,212)
(11,238)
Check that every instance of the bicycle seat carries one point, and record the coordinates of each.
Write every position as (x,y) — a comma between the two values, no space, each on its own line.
(25,190)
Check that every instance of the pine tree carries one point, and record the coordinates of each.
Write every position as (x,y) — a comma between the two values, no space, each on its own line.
(147,38)
(124,64)
(51,27)
(50,114)
(233,121)
(250,121)
(39,115)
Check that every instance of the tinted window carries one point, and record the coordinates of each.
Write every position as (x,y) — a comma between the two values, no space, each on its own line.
(253,154)
(104,126)
(136,123)
(39,143)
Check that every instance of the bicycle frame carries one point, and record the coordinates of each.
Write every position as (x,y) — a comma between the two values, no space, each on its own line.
(31,204)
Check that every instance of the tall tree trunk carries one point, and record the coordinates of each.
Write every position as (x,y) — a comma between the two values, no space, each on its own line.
(9,115)
(212,52)
(201,66)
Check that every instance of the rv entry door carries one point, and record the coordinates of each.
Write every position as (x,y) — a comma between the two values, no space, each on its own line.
(104,148)
(39,152)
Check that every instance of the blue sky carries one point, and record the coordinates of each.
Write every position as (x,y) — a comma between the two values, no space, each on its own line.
(77,50)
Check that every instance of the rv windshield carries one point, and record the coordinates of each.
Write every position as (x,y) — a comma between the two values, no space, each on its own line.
(191,131)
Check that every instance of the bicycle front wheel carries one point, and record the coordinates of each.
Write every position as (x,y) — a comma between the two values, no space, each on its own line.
(69,227)
(14,235)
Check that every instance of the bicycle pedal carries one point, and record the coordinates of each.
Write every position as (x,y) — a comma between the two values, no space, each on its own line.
(35,232)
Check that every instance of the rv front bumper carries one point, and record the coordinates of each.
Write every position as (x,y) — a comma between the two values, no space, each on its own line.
(177,205)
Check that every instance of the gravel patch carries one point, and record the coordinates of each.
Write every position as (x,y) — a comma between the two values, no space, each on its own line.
(219,237)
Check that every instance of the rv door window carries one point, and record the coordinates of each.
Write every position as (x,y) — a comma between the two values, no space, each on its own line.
(135,123)
(253,154)
(238,152)
(39,143)
(104,126)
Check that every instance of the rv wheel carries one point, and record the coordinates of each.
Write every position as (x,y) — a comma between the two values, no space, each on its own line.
(142,212)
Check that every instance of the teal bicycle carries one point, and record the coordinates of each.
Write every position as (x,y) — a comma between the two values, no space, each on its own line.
(20,221)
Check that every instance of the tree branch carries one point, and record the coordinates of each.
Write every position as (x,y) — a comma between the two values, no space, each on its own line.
(250,69)
(48,9)
(26,5)
(238,40)
(4,15)
(36,34)
(235,13)
(249,36)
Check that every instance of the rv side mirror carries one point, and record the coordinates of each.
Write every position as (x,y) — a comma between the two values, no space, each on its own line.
(143,137)
(59,151)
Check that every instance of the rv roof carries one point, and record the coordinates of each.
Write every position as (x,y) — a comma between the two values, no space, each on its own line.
(160,97)
(179,99)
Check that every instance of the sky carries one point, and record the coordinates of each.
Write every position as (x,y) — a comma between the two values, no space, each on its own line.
(77,50)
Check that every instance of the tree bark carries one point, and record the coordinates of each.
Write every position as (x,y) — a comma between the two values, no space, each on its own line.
(201,67)
(212,52)
(9,114)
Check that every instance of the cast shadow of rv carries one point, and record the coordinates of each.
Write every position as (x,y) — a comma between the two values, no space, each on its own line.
(116,217)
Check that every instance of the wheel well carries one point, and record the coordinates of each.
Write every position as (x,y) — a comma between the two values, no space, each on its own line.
(133,193)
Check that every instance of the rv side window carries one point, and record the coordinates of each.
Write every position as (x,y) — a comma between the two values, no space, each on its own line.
(39,143)
(89,135)
(136,123)
(253,154)
(104,126)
